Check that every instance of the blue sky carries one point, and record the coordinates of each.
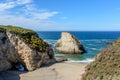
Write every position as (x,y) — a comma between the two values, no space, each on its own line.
(59,15)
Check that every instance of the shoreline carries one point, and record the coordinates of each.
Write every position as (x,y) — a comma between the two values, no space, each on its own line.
(86,61)
(57,71)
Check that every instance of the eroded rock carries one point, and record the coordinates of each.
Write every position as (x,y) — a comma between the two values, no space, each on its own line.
(14,49)
(69,44)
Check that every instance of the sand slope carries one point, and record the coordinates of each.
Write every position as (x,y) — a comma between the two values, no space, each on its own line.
(57,71)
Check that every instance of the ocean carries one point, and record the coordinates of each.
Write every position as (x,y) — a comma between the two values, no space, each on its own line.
(93,41)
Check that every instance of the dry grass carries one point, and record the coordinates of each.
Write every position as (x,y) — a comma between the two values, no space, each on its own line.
(106,65)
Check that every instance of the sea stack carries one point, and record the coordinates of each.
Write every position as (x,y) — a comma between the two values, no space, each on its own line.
(106,65)
(69,44)
(20,46)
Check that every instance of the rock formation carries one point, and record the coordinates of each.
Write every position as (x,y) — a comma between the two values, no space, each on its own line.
(60,58)
(18,45)
(107,42)
(69,44)
(106,65)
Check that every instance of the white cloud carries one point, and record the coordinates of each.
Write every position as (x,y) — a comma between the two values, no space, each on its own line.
(27,22)
(38,13)
(12,4)
(26,15)
(4,6)
(23,1)
(45,15)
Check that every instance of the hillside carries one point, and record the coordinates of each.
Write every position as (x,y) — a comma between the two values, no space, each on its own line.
(106,65)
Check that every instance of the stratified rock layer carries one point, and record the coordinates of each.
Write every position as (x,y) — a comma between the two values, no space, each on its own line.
(69,44)
(20,48)
(106,65)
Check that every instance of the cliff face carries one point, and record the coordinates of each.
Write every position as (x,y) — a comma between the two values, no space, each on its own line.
(23,47)
(106,65)
(69,44)
(4,49)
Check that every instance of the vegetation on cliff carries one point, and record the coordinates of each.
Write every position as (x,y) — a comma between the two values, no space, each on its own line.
(28,36)
(2,29)
(106,65)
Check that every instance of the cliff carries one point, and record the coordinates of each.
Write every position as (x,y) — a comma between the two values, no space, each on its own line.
(23,46)
(69,44)
(106,65)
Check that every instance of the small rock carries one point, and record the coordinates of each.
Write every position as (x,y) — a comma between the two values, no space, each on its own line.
(107,42)
(61,58)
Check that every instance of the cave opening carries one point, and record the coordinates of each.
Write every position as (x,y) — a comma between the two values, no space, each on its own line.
(18,66)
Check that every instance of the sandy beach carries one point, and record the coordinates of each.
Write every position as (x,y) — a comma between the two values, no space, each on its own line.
(57,71)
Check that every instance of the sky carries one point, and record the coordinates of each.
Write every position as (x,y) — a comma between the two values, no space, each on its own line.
(61,15)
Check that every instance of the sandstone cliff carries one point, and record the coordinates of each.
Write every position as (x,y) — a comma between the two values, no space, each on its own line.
(18,45)
(69,44)
(106,65)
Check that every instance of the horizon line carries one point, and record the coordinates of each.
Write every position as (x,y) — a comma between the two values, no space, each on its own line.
(73,31)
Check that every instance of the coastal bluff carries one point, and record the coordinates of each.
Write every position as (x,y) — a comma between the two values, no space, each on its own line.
(69,44)
(106,65)
(19,46)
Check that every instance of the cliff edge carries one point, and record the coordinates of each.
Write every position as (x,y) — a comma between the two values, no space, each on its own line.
(23,46)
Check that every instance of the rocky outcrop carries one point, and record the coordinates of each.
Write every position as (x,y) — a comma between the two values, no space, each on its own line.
(69,44)
(106,65)
(107,42)
(60,58)
(23,47)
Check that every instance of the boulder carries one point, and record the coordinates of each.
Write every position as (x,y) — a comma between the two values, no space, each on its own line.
(60,58)
(23,46)
(106,65)
(69,44)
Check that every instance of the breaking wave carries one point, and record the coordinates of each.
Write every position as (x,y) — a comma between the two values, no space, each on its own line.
(87,60)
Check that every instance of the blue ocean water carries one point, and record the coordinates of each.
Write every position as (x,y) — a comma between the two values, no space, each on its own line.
(92,41)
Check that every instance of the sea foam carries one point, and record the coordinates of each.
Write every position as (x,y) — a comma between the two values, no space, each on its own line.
(87,60)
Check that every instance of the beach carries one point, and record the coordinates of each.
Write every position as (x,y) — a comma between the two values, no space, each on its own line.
(57,71)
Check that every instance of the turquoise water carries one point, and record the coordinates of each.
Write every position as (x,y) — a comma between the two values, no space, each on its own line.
(92,41)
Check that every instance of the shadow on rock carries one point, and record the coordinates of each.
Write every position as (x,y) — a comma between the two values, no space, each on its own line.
(10,75)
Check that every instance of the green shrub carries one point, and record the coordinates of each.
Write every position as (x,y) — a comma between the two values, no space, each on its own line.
(28,36)
(2,30)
